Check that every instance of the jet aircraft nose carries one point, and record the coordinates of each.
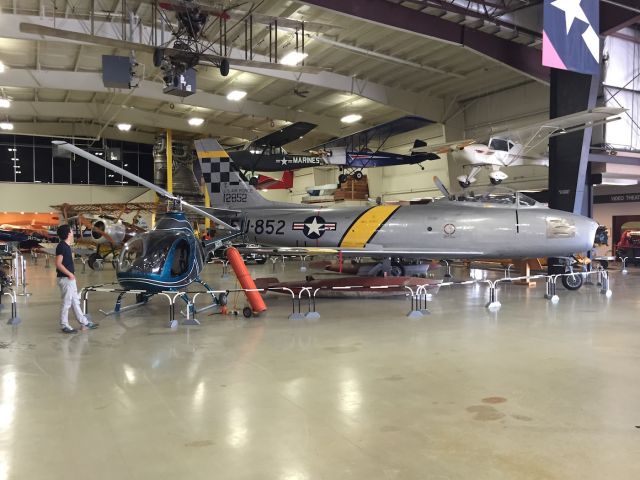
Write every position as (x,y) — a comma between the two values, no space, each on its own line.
(586,231)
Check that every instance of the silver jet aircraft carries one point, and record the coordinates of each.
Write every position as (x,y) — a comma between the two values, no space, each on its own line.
(495,226)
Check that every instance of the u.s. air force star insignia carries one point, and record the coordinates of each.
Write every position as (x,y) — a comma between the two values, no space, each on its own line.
(314,227)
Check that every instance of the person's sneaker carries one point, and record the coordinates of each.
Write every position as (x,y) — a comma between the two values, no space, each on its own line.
(69,330)
(89,326)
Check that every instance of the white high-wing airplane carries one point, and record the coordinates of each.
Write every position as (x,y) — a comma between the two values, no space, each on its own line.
(519,146)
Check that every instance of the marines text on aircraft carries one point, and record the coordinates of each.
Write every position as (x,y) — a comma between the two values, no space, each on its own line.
(266,153)
(494,226)
(508,147)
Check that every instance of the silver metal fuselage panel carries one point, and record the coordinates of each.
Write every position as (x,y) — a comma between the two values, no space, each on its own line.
(439,230)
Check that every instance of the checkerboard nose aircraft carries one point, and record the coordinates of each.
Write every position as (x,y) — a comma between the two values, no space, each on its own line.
(496,225)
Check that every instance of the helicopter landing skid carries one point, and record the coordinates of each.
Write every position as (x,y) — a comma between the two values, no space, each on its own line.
(142,299)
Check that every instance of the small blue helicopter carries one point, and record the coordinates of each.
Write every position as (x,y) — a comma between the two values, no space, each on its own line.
(168,258)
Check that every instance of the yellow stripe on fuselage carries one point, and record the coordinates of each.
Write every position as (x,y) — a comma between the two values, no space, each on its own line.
(365,227)
(212,154)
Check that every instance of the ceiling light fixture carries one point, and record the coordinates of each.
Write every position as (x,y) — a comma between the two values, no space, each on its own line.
(196,122)
(236,95)
(293,58)
(619,181)
(124,127)
(354,117)
(6,126)
(5,103)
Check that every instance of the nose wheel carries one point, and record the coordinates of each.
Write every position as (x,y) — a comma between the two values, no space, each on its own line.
(572,282)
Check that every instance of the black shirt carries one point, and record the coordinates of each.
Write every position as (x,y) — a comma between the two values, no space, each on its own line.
(67,258)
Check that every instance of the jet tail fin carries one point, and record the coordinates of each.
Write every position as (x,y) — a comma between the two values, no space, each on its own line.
(227,188)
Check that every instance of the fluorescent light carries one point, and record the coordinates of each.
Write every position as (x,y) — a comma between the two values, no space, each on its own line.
(124,127)
(293,58)
(619,181)
(6,126)
(2,67)
(5,103)
(11,149)
(236,95)
(196,122)
(354,117)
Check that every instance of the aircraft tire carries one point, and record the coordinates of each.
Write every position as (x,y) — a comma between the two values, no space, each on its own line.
(91,261)
(397,270)
(224,67)
(222,299)
(495,182)
(158,56)
(342,178)
(464,184)
(572,282)
(247,312)
(358,175)
(253,181)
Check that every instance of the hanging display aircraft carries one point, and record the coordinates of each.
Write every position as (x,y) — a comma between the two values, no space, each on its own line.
(508,147)
(198,37)
(350,153)
(364,149)
(497,225)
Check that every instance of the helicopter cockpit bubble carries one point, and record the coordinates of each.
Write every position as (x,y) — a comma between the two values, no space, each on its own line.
(159,253)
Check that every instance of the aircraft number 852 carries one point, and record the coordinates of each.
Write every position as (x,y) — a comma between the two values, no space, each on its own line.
(270,227)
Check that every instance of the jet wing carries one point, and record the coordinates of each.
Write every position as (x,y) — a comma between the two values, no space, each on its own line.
(285,135)
(357,141)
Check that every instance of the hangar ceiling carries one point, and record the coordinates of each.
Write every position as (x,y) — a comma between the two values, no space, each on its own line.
(378,71)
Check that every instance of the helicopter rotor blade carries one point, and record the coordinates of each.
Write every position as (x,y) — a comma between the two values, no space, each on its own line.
(151,186)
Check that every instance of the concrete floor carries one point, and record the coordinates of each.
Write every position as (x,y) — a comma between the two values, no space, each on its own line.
(530,392)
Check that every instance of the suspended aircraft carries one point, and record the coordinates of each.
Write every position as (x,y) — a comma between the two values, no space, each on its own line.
(495,225)
(267,155)
(198,36)
(508,147)
(364,149)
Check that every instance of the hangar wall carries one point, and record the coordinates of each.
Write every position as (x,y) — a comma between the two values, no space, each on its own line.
(25,197)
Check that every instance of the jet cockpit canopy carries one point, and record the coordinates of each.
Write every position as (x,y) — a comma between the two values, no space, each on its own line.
(494,196)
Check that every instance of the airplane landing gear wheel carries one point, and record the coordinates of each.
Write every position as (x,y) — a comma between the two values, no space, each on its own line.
(358,175)
(95,261)
(342,178)
(247,312)
(572,282)
(494,181)
(253,181)
(465,184)
(222,299)
(397,270)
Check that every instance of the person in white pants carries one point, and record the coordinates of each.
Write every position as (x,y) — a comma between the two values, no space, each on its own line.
(65,270)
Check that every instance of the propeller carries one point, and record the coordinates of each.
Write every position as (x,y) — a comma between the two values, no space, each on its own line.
(160,191)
